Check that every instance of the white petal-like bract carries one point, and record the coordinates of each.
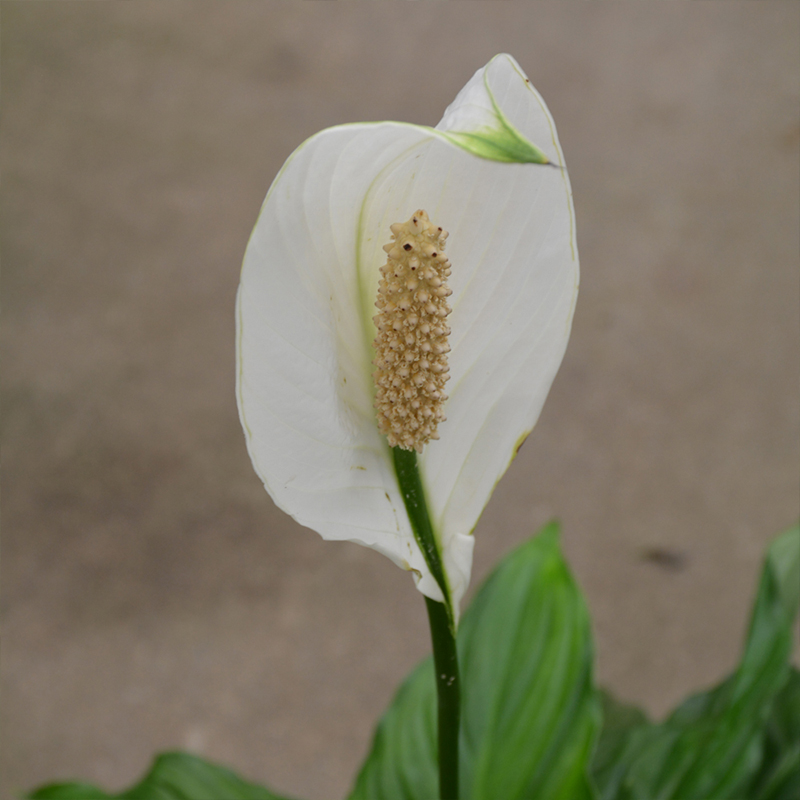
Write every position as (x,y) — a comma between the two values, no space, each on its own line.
(306,301)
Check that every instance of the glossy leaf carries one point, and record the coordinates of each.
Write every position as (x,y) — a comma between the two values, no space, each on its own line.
(619,722)
(173,776)
(779,776)
(530,713)
(306,301)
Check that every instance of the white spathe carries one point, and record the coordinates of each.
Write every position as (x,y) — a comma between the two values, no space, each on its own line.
(305,307)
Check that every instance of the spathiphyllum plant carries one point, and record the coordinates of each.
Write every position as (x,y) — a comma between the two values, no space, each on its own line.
(405,302)
(345,410)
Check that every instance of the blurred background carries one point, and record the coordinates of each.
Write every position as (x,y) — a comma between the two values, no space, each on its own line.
(153,597)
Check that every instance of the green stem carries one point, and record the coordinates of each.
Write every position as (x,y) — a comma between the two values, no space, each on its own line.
(442,622)
(448,692)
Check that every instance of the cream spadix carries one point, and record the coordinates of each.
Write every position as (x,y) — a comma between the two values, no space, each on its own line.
(311,275)
(411,342)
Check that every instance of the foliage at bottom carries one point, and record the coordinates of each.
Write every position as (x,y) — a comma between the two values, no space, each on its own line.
(535,726)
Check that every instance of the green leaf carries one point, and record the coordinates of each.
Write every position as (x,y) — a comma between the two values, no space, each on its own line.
(173,776)
(530,710)
(530,714)
(779,777)
(712,746)
(783,559)
(619,723)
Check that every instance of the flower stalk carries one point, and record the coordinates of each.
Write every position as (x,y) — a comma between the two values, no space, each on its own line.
(448,694)
(442,623)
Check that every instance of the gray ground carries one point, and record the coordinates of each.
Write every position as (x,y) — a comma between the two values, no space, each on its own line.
(153,597)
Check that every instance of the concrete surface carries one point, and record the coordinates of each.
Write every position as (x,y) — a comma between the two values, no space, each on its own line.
(153,597)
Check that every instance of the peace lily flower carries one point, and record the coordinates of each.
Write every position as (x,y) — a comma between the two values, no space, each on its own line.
(491,174)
